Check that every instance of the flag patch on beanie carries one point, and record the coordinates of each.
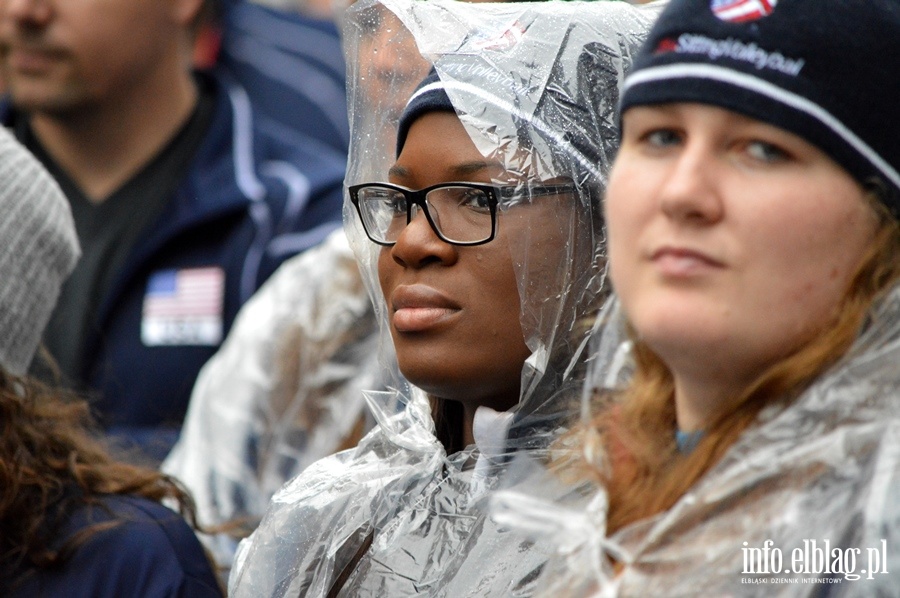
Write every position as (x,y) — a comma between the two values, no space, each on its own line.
(739,11)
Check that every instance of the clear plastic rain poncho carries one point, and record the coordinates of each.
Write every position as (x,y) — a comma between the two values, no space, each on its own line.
(805,503)
(536,87)
(284,390)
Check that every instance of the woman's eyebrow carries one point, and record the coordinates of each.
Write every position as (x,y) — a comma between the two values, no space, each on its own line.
(398,171)
(457,171)
(474,167)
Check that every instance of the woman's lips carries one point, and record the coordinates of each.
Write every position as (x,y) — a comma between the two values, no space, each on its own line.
(682,262)
(419,319)
(419,307)
(31,60)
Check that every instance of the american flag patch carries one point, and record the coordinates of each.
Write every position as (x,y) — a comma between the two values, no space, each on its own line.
(738,11)
(183,307)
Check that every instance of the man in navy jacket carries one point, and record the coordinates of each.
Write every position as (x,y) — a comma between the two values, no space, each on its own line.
(186,194)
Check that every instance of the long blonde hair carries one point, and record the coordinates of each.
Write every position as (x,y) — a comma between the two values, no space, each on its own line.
(645,473)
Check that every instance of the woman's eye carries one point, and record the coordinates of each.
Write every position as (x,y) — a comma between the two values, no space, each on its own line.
(766,152)
(662,138)
(397,204)
(475,199)
(388,200)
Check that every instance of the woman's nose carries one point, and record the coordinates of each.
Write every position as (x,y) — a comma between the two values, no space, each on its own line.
(418,245)
(690,192)
(33,12)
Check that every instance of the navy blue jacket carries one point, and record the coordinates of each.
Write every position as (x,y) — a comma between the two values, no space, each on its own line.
(256,194)
(151,553)
(291,65)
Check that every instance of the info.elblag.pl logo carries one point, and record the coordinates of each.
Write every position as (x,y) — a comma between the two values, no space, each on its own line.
(816,558)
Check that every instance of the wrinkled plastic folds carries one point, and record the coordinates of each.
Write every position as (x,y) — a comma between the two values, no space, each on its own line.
(283,391)
(822,474)
(536,87)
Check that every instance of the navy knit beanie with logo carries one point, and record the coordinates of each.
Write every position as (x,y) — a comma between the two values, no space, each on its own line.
(825,70)
(38,250)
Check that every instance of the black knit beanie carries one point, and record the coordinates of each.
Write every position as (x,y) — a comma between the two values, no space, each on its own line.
(825,70)
(429,96)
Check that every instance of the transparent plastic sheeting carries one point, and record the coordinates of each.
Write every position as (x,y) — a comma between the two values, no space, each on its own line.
(816,482)
(284,390)
(536,87)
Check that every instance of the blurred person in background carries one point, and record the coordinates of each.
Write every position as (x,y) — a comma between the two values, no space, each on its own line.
(73,521)
(186,197)
(290,65)
(322,9)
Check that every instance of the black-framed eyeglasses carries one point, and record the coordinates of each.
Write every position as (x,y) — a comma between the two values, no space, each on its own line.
(460,213)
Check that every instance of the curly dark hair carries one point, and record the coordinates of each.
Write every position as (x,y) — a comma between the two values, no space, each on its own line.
(53,462)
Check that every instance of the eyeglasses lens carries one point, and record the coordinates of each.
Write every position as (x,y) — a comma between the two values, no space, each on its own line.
(460,214)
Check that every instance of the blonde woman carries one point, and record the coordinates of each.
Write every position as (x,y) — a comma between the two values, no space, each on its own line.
(754,248)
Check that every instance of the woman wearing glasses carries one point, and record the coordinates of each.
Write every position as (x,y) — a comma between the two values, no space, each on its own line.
(446,271)
(754,246)
(480,237)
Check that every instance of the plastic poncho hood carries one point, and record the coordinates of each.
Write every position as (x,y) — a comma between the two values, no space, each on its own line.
(536,88)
